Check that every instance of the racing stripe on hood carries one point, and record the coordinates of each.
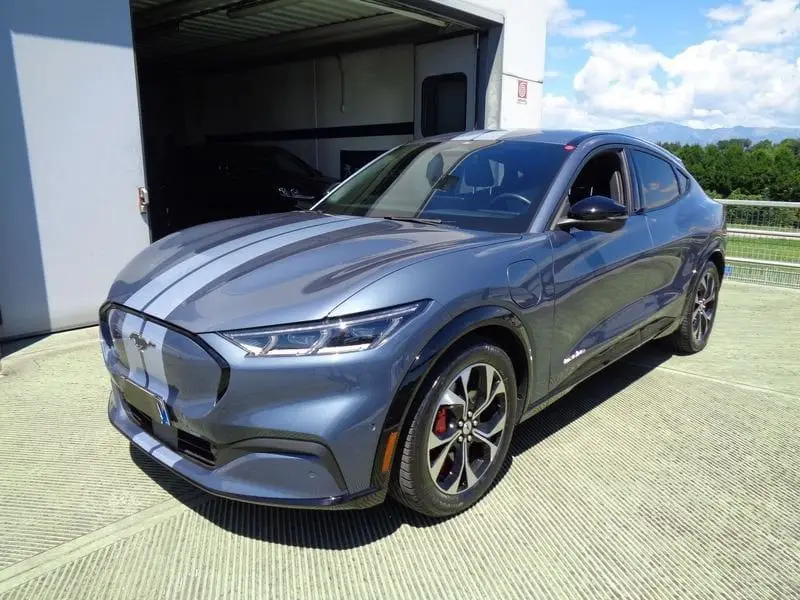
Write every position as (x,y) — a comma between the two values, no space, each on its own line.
(175,295)
(132,325)
(148,292)
(154,361)
(363,231)
(184,244)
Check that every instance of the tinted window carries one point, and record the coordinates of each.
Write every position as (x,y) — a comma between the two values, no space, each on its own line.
(444,104)
(289,163)
(657,182)
(488,185)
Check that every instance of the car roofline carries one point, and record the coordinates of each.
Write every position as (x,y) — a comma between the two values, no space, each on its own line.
(572,137)
(566,137)
(635,140)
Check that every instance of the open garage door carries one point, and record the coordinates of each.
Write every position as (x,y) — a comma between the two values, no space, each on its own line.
(259,106)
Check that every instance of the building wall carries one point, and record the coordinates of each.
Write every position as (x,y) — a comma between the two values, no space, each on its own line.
(352,90)
(72,160)
(521,55)
(368,88)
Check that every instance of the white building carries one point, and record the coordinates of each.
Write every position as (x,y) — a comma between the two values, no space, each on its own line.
(90,90)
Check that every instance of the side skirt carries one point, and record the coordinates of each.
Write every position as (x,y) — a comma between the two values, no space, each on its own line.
(559,393)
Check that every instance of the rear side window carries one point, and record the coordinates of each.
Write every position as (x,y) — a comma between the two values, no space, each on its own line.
(444,104)
(658,184)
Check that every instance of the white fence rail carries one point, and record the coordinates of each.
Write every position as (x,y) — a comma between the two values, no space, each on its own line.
(764,241)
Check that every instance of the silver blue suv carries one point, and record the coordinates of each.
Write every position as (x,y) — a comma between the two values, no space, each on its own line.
(392,337)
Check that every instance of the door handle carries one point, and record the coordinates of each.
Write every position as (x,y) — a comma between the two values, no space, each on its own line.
(143,199)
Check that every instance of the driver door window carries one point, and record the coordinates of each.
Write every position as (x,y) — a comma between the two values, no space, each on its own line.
(602,175)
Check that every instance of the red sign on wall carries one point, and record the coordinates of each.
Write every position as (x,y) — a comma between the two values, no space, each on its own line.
(522,91)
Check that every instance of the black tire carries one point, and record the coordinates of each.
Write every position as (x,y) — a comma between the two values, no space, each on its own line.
(412,483)
(685,340)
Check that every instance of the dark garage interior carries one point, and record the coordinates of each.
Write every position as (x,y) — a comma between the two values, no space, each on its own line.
(260,106)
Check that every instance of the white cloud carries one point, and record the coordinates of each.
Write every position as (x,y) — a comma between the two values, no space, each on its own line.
(559,111)
(589,29)
(727,13)
(619,79)
(570,22)
(716,81)
(559,12)
(734,79)
(552,74)
(629,33)
(759,22)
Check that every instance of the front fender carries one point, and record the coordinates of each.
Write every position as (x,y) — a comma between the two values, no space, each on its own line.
(441,342)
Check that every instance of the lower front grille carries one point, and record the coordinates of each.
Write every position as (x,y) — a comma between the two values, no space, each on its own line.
(192,447)
(196,448)
(141,419)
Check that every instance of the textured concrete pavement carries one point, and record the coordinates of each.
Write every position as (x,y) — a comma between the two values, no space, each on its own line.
(664,477)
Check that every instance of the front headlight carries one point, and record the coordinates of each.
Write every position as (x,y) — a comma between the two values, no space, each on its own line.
(332,336)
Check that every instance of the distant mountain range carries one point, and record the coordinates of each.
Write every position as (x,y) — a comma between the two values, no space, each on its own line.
(663,131)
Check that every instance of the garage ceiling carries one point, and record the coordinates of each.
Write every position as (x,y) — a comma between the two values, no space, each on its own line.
(213,30)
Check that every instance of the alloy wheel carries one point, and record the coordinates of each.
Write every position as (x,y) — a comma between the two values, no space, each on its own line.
(468,425)
(704,305)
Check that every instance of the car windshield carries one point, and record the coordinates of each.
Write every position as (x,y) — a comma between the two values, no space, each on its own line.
(490,185)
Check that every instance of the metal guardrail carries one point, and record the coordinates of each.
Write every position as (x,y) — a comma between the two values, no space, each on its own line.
(774,234)
(761,203)
(764,242)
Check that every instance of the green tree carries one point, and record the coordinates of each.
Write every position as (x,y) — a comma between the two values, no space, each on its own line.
(739,168)
(785,184)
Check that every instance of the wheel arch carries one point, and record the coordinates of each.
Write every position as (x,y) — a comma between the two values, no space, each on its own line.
(718,258)
(714,251)
(496,323)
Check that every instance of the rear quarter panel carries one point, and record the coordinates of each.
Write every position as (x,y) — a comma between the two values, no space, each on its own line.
(685,234)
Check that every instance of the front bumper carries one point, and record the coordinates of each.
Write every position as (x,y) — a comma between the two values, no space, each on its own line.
(270,471)
(308,431)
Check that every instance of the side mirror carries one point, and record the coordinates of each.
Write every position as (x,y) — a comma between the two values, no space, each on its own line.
(595,213)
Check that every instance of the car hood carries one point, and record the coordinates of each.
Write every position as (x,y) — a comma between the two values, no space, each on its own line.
(275,269)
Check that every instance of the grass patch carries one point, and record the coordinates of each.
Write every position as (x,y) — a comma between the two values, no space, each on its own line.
(787,250)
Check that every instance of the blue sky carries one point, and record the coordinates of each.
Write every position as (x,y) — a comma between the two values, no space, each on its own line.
(704,64)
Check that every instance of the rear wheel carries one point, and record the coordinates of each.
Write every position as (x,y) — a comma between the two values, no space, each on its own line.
(698,320)
(460,434)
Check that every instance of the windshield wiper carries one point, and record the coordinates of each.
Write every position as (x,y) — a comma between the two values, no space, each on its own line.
(416,220)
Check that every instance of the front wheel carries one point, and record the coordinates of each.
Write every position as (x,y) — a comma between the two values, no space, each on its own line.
(698,320)
(460,434)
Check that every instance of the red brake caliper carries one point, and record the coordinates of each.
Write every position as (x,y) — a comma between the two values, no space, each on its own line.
(440,424)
